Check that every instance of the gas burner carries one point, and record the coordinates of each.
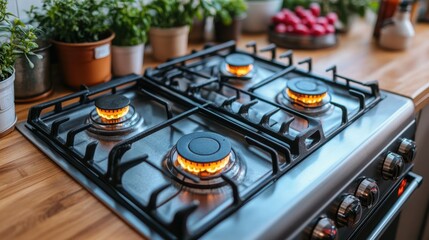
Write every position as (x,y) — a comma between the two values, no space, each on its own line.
(306,95)
(113,115)
(204,155)
(238,66)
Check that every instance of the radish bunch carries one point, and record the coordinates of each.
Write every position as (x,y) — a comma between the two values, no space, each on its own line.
(304,21)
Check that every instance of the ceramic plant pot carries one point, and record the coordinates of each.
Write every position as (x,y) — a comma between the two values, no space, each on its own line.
(7,106)
(225,33)
(127,60)
(169,42)
(85,63)
(259,13)
(32,84)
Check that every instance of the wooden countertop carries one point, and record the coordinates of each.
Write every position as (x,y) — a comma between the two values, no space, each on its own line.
(39,200)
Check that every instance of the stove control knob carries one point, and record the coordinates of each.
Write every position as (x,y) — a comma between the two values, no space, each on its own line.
(368,192)
(324,230)
(392,166)
(407,149)
(349,212)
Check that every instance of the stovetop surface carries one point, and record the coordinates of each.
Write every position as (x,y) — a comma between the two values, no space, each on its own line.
(134,172)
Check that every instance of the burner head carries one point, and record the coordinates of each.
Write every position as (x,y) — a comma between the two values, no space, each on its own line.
(203,152)
(112,107)
(306,91)
(239,64)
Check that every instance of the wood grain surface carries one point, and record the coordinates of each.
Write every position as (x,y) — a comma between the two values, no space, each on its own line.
(40,201)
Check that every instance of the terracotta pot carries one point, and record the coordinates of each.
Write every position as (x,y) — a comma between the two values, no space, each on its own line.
(169,42)
(225,33)
(197,31)
(85,63)
(127,59)
(7,106)
(33,84)
(259,14)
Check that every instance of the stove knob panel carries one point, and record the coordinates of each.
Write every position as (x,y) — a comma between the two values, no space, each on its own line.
(407,149)
(324,230)
(368,192)
(392,166)
(349,212)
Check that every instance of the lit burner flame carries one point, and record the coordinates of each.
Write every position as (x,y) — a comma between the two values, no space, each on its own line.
(197,168)
(239,70)
(306,99)
(113,114)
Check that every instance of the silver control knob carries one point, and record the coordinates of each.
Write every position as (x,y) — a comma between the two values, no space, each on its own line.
(407,149)
(368,192)
(349,212)
(324,230)
(392,166)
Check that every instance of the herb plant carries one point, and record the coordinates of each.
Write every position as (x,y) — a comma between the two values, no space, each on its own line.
(130,22)
(205,8)
(16,39)
(226,10)
(172,13)
(73,21)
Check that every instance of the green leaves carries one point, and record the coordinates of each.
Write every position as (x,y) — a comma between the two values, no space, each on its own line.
(172,13)
(73,21)
(130,22)
(16,39)
(226,10)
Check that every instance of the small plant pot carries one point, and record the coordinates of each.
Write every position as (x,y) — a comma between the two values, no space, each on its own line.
(85,63)
(197,31)
(259,15)
(127,60)
(32,84)
(225,33)
(7,106)
(169,42)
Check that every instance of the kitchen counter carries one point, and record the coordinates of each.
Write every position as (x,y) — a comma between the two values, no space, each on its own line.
(39,200)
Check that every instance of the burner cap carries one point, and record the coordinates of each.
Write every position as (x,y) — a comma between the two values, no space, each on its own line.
(239,60)
(307,86)
(203,147)
(112,102)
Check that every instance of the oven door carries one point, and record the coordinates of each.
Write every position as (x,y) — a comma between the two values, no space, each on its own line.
(383,222)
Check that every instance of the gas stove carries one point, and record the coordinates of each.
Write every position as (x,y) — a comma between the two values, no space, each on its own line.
(224,144)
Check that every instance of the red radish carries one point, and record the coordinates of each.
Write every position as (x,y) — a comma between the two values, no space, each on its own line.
(300,11)
(317,30)
(292,20)
(315,9)
(301,29)
(332,17)
(290,29)
(287,11)
(322,21)
(278,18)
(330,29)
(309,20)
(280,28)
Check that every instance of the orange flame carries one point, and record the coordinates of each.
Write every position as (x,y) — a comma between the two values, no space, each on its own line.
(239,70)
(196,168)
(306,99)
(112,114)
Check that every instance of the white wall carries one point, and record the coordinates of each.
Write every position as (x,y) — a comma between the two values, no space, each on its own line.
(18,7)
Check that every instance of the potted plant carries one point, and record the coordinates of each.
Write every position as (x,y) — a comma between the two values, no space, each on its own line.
(79,30)
(170,20)
(228,19)
(34,83)
(259,13)
(203,10)
(130,23)
(16,39)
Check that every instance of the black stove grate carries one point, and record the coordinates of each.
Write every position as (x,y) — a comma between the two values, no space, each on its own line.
(190,76)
